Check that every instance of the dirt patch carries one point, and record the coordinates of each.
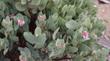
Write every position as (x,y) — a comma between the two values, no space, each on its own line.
(103,12)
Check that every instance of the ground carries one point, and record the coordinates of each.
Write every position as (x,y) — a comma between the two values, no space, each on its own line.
(103,12)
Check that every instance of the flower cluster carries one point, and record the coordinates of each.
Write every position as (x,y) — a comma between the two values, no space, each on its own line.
(85,35)
(20,22)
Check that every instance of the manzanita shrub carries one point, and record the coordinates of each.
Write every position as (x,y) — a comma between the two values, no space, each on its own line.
(50,30)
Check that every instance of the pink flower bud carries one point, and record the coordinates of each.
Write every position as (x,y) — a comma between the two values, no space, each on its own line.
(20,22)
(41,17)
(85,35)
(21,58)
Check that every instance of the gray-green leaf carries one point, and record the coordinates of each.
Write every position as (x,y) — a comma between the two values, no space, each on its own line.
(29,37)
(20,7)
(37,31)
(71,24)
(55,32)
(40,41)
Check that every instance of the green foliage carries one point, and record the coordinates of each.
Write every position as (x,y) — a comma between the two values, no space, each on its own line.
(101,54)
(38,31)
(7,24)
(20,7)
(60,28)
(4,44)
(29,37)
(55,33)
(52,21)
(38,39)
(56,50)
(25,53)
(71,24)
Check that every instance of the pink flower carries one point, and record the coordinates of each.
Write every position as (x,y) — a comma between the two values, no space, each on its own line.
(21,58)
(85,35)
(41,17)
(20,22)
